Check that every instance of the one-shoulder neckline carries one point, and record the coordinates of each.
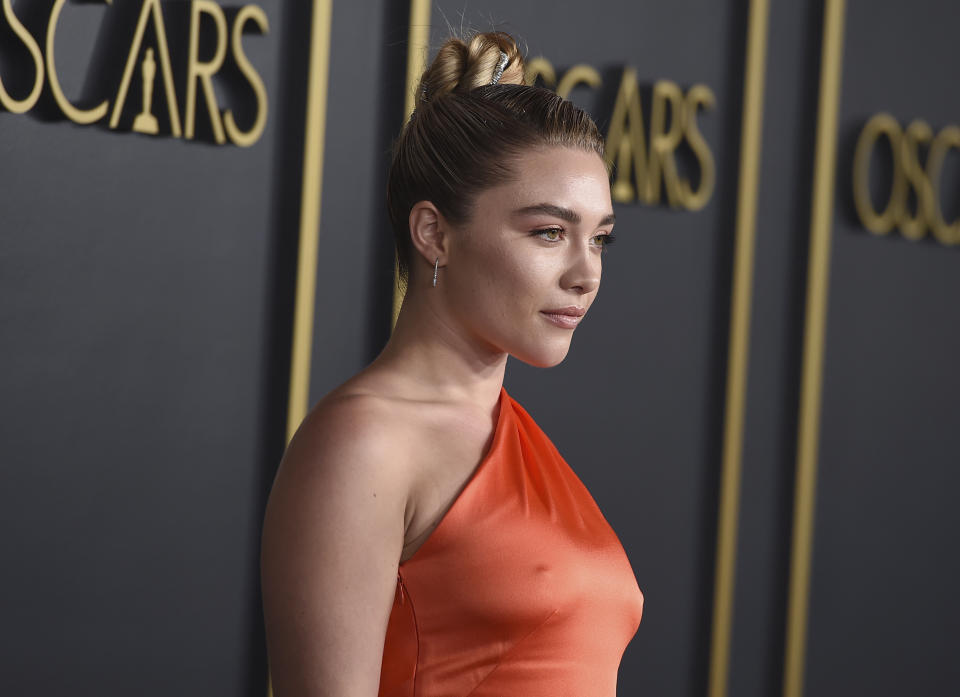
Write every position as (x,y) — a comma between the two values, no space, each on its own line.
(502,401)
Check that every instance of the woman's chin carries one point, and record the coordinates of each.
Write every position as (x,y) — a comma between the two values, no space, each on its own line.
(543,356)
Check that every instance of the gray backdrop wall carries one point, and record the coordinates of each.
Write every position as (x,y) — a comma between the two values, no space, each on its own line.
(148,287)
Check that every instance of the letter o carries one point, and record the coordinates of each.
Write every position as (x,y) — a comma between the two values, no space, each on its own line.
(878,223)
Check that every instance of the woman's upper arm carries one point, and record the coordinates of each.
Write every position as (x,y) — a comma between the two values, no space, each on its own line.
(332,538)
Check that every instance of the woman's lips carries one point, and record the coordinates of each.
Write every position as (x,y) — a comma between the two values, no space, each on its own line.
(563,318)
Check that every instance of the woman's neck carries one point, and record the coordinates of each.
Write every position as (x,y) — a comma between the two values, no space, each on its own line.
(433,355)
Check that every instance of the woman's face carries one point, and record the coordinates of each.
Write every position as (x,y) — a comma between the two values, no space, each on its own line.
(522,272)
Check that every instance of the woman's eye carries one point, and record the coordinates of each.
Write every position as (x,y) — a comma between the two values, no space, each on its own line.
(604,240)
(552,234)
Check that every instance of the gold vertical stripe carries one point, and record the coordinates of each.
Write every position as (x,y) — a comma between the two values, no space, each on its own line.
(813,348)
(418,48)
(737,360)
(314,131)
(315,128)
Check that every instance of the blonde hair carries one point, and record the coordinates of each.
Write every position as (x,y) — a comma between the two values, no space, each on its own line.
(465,133)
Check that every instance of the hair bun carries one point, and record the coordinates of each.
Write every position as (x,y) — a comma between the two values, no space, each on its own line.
(462,66)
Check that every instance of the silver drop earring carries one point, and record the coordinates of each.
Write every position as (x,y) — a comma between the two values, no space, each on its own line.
(435,265)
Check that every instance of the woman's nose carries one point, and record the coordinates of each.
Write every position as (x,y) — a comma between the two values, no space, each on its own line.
(583,271)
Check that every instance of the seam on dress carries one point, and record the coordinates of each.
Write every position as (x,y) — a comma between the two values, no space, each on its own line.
(511,650)
(416,628)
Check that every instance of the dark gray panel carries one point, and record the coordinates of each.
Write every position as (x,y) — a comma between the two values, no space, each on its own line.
(141,358)
(356,257)
(883,613)
(776,337)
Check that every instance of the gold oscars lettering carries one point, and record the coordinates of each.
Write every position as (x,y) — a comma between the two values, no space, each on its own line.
(151,65)
(909,176)
(643,163)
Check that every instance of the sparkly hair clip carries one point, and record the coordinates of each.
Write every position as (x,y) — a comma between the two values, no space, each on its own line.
(497,74)
(500,66)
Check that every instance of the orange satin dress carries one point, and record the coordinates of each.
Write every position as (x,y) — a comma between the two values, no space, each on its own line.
(522,590)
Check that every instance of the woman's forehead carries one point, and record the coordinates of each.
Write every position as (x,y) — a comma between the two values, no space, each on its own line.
(571,185)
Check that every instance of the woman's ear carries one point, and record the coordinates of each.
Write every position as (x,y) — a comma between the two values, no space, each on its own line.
(428,232)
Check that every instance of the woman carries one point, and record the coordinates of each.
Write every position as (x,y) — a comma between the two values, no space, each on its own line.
(423,536)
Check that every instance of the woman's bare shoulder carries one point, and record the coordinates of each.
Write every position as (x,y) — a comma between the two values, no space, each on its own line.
(332,538)
(345,475)
(367,433)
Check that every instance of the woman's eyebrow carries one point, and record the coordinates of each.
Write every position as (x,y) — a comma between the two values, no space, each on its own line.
(567,214)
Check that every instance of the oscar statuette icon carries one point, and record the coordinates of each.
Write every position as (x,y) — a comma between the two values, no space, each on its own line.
(146,122)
